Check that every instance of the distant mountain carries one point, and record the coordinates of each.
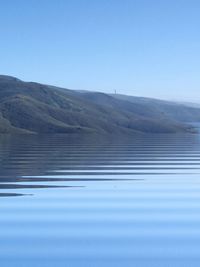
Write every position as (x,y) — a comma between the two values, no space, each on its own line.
(29,107)
(191,104)
(156,108)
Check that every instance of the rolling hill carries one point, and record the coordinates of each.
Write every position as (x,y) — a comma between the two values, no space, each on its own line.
(29,107)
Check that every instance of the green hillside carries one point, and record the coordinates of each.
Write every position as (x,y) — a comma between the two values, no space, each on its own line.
(28,107)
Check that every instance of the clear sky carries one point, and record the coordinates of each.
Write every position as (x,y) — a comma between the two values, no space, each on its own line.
(138,47)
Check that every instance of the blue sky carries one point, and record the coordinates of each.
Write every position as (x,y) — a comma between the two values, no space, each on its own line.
(138,47)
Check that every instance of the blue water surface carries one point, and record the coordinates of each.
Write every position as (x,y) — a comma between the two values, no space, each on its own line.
(93,201)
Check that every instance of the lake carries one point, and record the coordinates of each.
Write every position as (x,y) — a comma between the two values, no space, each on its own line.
(91,201)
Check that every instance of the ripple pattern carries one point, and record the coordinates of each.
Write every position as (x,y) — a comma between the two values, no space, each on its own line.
(74,201)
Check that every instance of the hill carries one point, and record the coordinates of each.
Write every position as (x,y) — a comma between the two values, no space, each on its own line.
(29,107)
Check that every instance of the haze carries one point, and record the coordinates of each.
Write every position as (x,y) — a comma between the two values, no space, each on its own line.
(137,47)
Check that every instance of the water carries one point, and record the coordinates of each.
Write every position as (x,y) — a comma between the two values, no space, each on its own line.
(88,201)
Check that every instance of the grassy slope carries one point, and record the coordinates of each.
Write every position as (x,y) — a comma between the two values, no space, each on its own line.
(37,108)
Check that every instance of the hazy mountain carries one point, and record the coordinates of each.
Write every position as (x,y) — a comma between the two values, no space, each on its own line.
(191,104)
(156,108)
(28,107)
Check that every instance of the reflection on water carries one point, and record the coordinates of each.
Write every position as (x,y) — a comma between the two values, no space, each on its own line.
(28,161)
(91,201)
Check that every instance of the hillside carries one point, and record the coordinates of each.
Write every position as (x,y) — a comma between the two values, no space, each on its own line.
(28,107)
(156,108)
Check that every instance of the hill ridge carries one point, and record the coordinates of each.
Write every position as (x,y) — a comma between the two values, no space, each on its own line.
(30,107)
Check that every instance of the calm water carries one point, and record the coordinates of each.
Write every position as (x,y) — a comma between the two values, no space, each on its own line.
(71,201)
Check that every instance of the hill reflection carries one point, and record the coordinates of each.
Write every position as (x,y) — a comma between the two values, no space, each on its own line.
(39,162)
